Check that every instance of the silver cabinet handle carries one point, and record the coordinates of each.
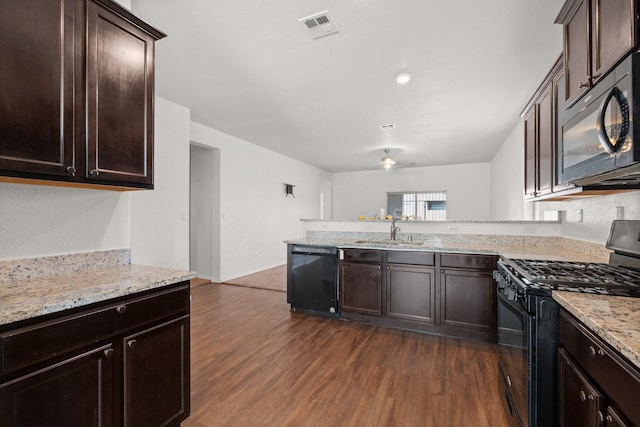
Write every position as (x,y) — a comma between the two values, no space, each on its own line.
(509,380)
(132,343)
(583,396)
(592,351)
(108,352)
(586,84)
(121,309)
(71,170)
(94,172)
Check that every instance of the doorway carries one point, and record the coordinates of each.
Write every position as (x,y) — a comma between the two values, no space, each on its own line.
(204,222)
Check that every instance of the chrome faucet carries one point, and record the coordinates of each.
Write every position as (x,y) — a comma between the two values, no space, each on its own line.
(394,229)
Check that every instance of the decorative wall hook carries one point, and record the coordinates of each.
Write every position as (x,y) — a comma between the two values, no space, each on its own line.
(288,189)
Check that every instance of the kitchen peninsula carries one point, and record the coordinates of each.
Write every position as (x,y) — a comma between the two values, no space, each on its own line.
(84,336)
(540,239)
(429,278)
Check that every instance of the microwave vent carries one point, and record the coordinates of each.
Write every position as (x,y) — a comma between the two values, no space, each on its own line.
(319,24)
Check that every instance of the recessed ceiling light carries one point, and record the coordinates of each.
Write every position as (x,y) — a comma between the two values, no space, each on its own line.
(403,78)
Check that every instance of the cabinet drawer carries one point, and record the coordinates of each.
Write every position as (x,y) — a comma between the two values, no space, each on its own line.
(613,375)
(479,262)
(41,341)
(362,255)
(410,257)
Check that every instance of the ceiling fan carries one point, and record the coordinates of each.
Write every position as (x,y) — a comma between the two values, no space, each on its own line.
(387,161)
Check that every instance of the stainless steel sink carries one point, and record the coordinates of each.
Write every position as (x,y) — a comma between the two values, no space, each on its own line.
(391,242)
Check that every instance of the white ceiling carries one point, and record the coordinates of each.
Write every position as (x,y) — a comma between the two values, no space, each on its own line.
(250,69)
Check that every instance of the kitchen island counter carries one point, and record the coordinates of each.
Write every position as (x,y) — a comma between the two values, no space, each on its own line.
(614,319)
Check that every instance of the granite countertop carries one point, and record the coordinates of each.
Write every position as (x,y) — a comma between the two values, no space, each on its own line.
(448,221)
(614,319)
(30,297)
(541,251)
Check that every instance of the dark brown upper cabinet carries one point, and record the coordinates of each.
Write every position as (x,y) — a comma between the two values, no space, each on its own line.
(540,136)
(597,34)
(37,87)
(77,84)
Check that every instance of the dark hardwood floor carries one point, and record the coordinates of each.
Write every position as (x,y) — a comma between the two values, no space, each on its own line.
(253,363)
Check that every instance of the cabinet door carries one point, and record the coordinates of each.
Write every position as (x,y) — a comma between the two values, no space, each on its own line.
(580,402)
(156,375)
(530,164)
(119,122)
(361,288)
(75,392)
(577,54)
(411,293)
(615,419)
(36,86)
(468,299)
(612,33)
(545,158)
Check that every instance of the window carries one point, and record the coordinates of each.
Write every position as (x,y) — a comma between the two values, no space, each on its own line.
(430,206)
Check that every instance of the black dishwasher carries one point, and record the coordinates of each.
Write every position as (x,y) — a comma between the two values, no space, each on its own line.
(312,279)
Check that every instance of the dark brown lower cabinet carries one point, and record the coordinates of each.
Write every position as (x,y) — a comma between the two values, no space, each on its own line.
(122,362)
(460,301)
(596,385)
(411,293)
(468,299)
(361,288)
(580,402)
(156,374)
(73,392)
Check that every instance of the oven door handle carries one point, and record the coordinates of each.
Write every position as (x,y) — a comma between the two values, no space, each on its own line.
(512,305)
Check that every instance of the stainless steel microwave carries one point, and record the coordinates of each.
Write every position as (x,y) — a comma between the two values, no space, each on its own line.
(598,144)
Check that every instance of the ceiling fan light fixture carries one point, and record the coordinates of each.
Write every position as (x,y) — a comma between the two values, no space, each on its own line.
(386,162)
(403,78)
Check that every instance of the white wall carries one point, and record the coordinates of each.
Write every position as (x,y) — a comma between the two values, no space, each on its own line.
(256,217)
(160,218)
(365,192)
(42,220)
(507,179)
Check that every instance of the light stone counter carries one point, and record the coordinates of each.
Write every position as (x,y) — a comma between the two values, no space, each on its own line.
(614,319)
(39,286)
(550,248)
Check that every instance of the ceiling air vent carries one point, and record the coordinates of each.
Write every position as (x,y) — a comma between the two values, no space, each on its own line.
(388,126)
(319,24)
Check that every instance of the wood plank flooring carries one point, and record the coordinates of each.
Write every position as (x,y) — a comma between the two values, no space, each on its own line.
(253,363)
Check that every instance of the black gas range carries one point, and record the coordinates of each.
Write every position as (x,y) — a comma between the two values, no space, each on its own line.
(542,276)
(528,318)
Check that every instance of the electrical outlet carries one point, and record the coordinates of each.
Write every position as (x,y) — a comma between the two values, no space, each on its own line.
(579,215)
(619,212)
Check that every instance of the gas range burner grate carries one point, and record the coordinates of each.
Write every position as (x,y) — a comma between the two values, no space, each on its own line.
(576,274)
